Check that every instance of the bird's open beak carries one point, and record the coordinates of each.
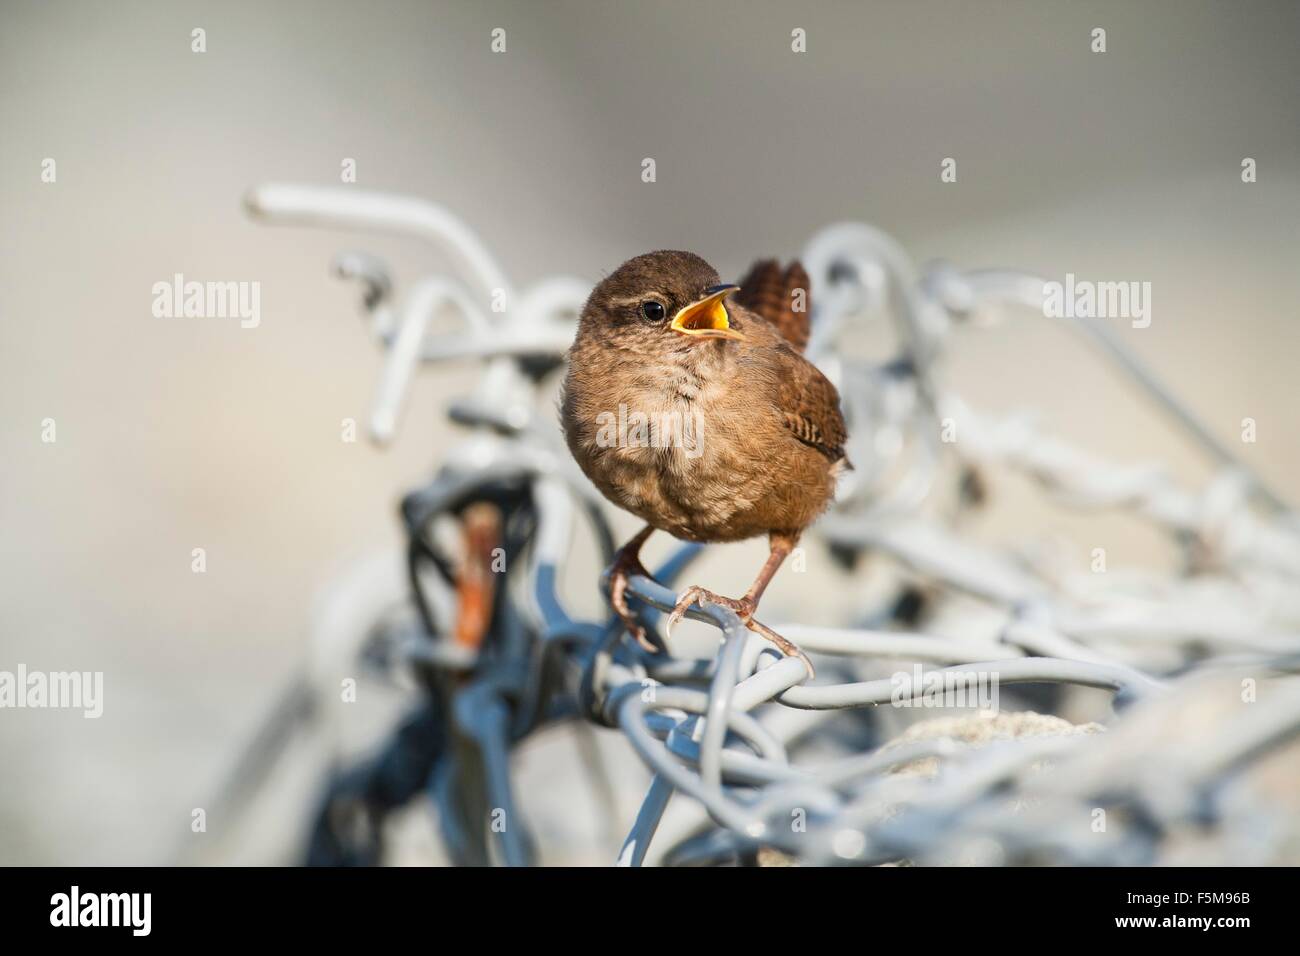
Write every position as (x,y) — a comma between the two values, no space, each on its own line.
(707,318)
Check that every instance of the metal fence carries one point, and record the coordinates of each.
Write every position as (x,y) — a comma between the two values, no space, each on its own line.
(1190,766)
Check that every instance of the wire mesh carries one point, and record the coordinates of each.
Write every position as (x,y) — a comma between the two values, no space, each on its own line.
(1215,643)
(1190,763)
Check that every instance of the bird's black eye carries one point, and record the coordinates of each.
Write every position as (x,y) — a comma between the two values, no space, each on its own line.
(652,310)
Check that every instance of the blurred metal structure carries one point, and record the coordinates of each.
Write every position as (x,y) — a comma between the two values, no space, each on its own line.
(1200,665)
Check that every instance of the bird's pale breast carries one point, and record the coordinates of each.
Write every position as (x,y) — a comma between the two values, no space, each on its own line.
(695,443)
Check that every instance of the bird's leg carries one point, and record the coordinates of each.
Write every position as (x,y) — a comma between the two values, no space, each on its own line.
(627,562)
(780,546)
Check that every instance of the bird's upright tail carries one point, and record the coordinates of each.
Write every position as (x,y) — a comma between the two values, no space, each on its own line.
(781,297)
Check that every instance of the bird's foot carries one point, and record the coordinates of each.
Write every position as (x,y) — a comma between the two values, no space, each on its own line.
(744,609)
(787,647)
(625,566)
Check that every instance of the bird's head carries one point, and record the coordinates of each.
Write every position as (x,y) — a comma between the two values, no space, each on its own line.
(661,299)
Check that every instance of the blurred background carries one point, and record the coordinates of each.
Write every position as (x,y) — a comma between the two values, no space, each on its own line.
(182,433)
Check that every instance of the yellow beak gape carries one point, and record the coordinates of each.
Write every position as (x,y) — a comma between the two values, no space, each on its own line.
(707,318)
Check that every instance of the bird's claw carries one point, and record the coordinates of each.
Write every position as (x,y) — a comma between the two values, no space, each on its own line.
(695,594)
(625,567)
(744,609)
(787,647)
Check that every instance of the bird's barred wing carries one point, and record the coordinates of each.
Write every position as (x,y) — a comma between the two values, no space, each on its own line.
(782,298)
(811,408)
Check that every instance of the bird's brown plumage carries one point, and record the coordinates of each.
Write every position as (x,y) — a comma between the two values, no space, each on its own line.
(781,297)
(771,439)
(759,434)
